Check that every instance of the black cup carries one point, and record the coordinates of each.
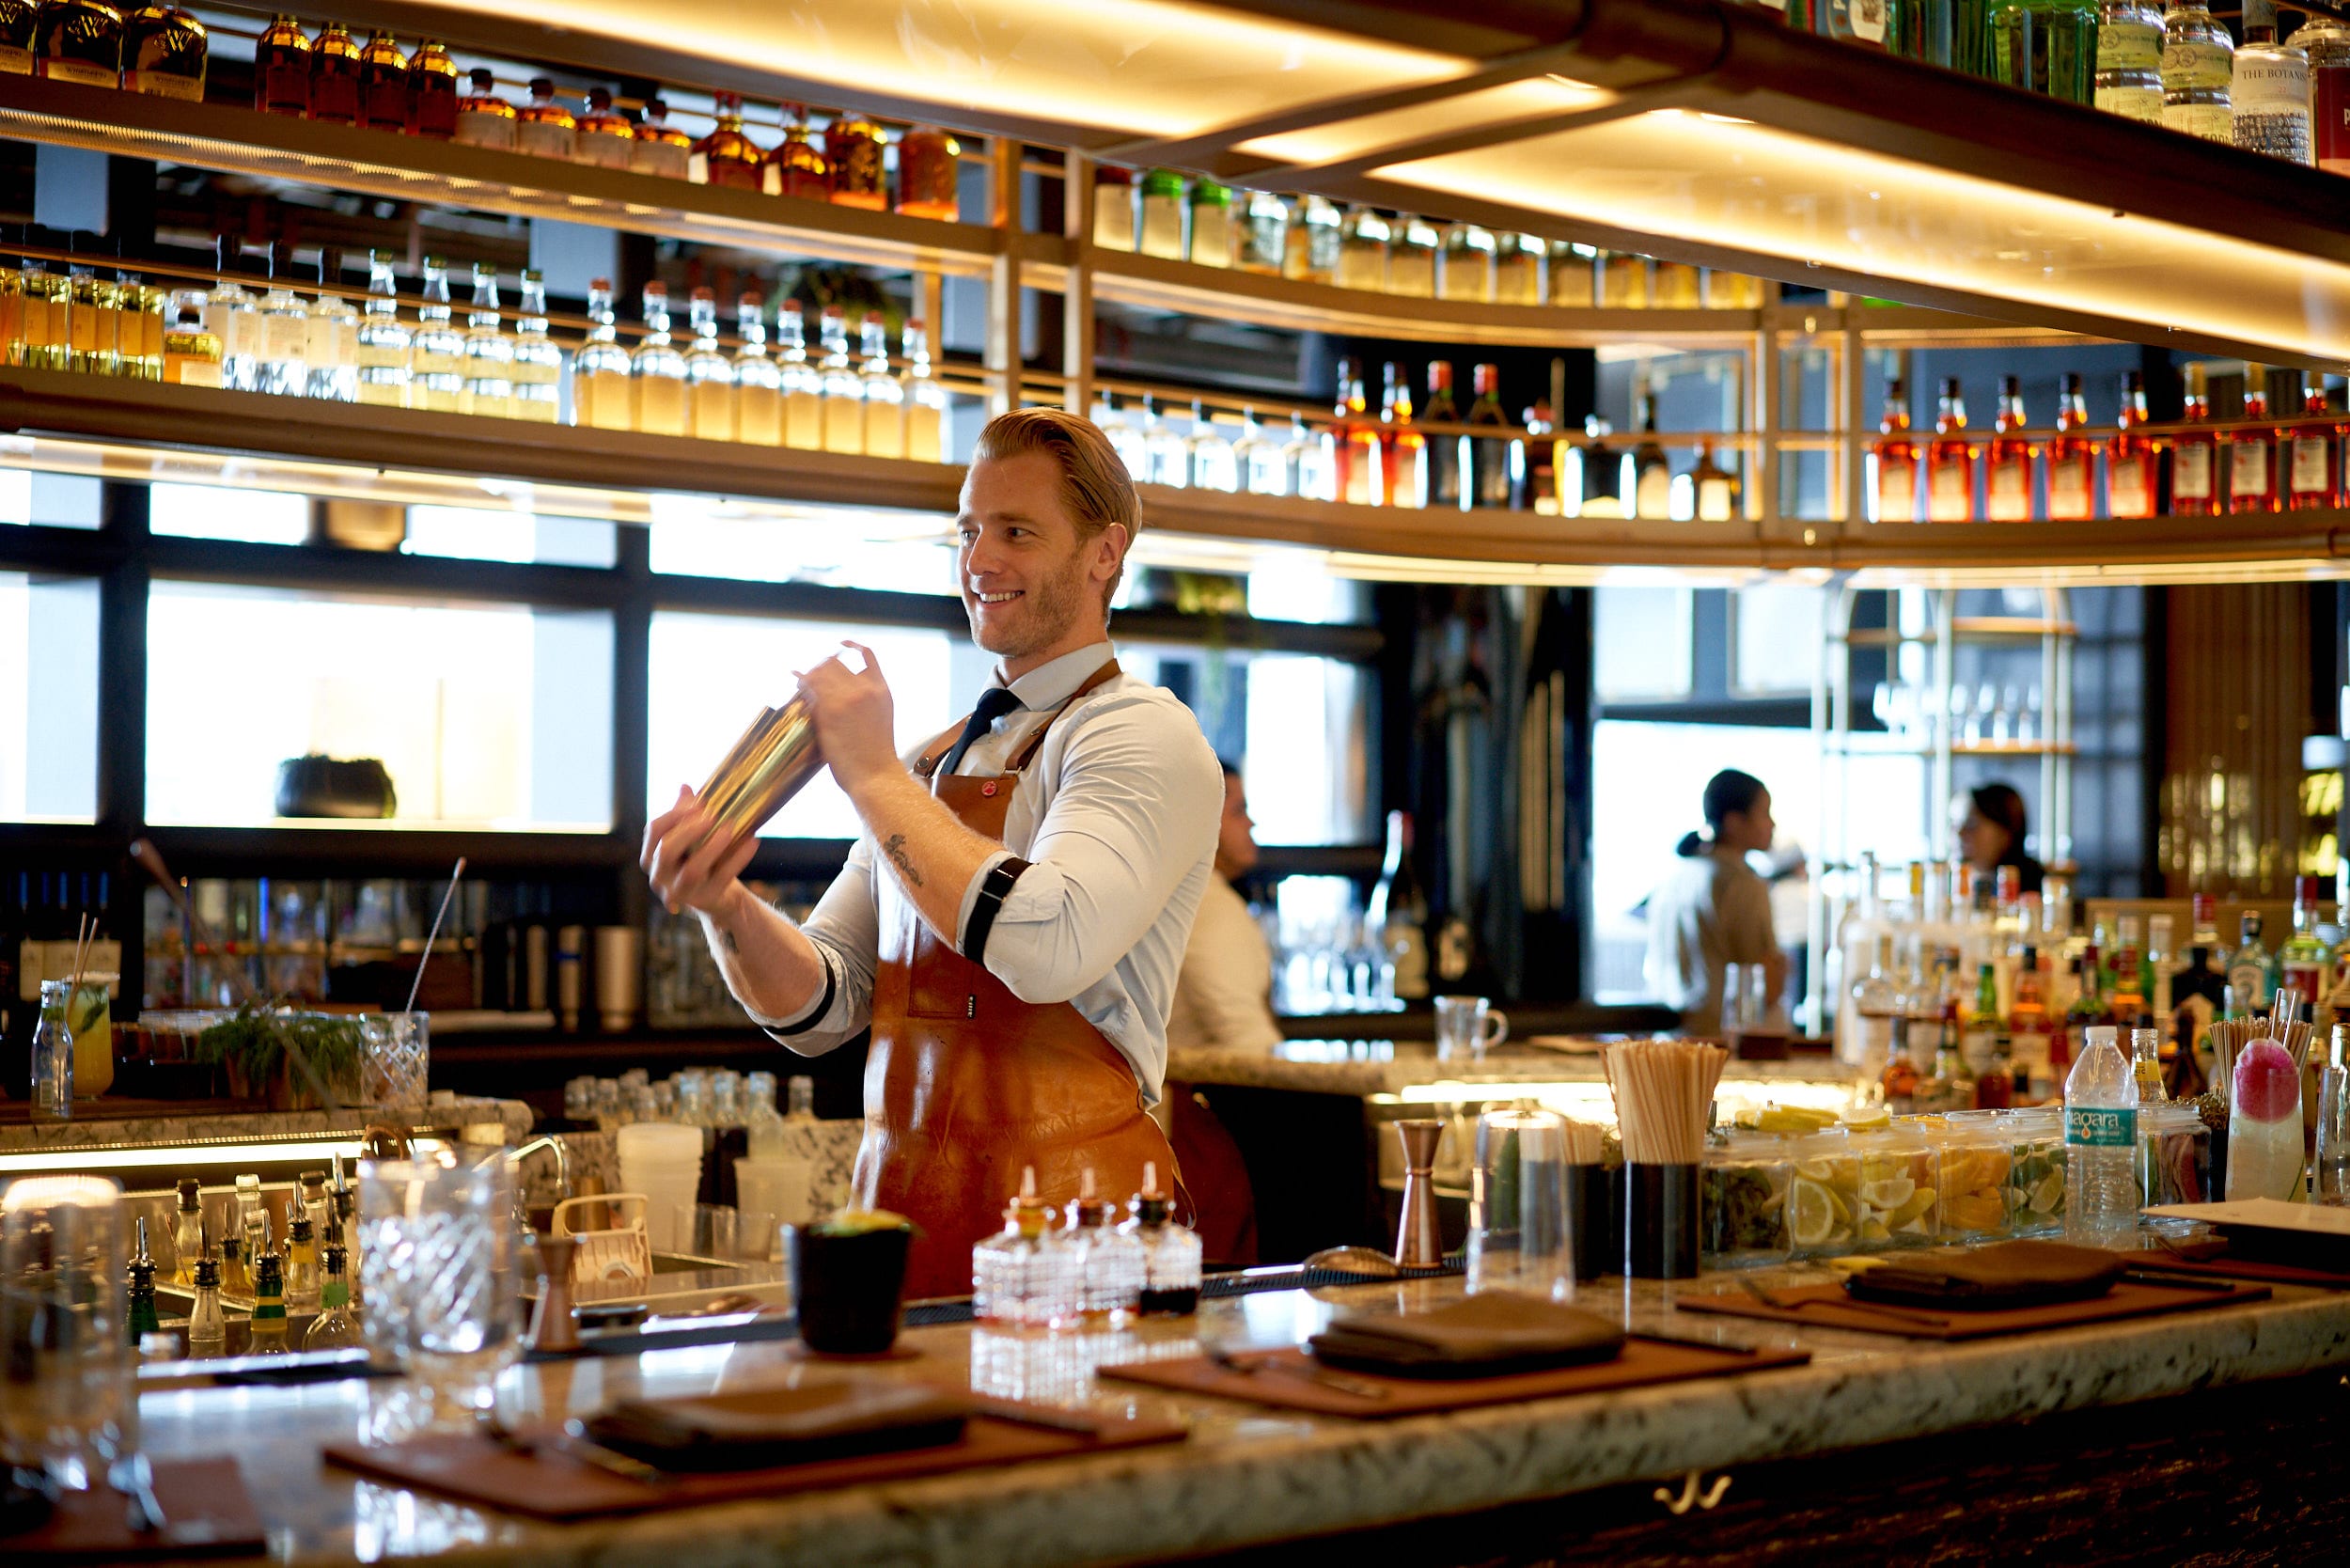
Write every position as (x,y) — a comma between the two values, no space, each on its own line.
(846,1288)
(1660,1222)
(1591,1222)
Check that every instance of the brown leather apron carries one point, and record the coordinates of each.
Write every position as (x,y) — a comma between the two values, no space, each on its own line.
(965,1083)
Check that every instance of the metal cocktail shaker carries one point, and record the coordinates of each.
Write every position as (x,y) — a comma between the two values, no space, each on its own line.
(774,759)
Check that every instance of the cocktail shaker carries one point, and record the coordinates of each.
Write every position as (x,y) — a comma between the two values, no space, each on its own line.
(772,762)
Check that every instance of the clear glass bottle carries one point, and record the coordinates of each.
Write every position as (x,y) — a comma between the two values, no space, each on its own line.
(331,351)
(336,1327)
(383,83)
(2269,93)
(845,396)
(1362,259)
(433,91)
(314,1203)
(2325,39)
(885,400)
(2129,60)
(659,148)
(1652,471)
(251,1216)
(334,76)
(229,314)
(926,400)
(602,137)
(657,370)
(207,1327)
(727,156)
(800,1097)
(1263,234)
(267,1325)
(1207,242)
(384,343)
(489,388)
(1311,251)
(1519,268)
(1113,208)
(601,395)
(1159,209)
(1402,447)
(1412,257)
(708,374)
(484,118)
(803,387)
(1166,456)
(1309,474)
(543,127)
(1258,460)
(436,350)
(1212,463)
(1106,1258)
(796,167)
(538,372)
(1021,1274)
(164,51)
(53,1055)
(1170,1252)
(1466,269)
(2198,70)
(284,330)
(758,395)
(281,68)
(187,1230)
(1125,436)
(302,1260)
(236,1273)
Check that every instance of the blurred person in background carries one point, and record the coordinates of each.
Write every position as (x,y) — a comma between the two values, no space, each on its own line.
(1714,910)
(1992,828)
(1224,995)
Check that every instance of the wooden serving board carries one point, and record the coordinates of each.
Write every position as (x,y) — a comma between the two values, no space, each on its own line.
(1829,1307)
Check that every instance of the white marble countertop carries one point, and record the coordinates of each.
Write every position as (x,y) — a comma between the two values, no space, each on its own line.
(1246,1474)
(1390,1067)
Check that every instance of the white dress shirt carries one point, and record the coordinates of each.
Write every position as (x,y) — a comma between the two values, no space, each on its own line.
(1117,815)
(1224,996)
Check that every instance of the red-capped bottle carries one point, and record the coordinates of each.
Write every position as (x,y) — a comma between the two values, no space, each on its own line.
(2194,453)
(1895,454)
(2072,459)
(1950,461)
(2131,464)
(2313,464)
(2252,452)
(2007,482)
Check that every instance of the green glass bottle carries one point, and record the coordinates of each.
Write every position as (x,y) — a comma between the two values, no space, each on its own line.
(141,1318)
(2064,50)
(2007,42)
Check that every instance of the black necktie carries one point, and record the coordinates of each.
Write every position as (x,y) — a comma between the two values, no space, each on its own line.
(995,703)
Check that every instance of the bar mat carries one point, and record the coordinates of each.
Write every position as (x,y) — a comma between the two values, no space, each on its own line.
(208,1513)
(1829,1306)
(540,1477)
(1288,1378)
(2216,1260)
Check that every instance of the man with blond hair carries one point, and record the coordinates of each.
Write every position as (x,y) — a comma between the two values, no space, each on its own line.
(1013,919)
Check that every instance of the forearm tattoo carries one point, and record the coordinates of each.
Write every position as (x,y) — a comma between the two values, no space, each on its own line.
(895,847)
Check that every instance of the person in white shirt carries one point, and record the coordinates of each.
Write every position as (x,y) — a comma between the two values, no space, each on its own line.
(1714,910)
(1224,996)
(1011,921)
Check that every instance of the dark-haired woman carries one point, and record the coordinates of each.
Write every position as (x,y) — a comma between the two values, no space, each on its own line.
(1991,834)
(1714,910)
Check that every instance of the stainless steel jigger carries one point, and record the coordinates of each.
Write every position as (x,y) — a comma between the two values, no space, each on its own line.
(1418,1243)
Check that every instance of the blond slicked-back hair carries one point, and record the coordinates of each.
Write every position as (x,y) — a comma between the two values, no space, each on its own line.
(1095,489)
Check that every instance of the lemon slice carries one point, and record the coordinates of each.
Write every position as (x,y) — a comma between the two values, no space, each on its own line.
(1818,1170)
(1872,1230)
(1912,1213)
(1865,1120)
(1811,1213)
(1890,1193)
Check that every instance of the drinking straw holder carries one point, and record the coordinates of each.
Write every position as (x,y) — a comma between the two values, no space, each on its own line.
(773,761)
(1591,1221)
(1660,1222)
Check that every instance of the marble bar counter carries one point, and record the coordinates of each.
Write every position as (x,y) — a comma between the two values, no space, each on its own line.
(98,1124)
(1364,1067)
(1571,1477)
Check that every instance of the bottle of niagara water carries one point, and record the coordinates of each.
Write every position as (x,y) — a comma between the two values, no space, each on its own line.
(2101,1195)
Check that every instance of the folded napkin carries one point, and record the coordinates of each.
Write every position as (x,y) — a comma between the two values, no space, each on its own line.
(1484,1336)
(2012,1273)
(764,1427)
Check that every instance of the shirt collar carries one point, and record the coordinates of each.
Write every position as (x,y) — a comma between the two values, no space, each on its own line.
(1051,684)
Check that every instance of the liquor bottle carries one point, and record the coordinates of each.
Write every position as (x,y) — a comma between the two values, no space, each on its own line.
(1258,460)
(140,1316)
(2198,70)
(1534,463)
(2128,991)
(433,91)
(302,1260)
(251,1218)
(1113,208)
(538,359)
(207,1327)
(1464,266)
(1363,242)
(1166,456)
(856,149)
(436,351)
(844,397)
(1159,205)
(2312,476)
(1311,253)
(1574,276)
(1716,487)
(1403,449)
(334,72)
(803,388)
(757,385)
(2325,39)
(1893,461)
(926,400)
(708,375)
(2251,971)
(20,24)
(1950,461)
(187,1230)
(2072,457)
(1301,463)
(1264,229)
(2252,453)
(284,329)
(657,371)
(281,68)
(268,1323)
(1208,234)
(2303,963)
(659,148)
(2269,93)
(334,1327)
(1485,457)
(543,126)
(1518,268)
(1676,286)
(1123,437)
(314,1204)
(92,311)
(2130,459)
(1212,463)
(2007,466)
(236,1273)
(1443,454)
(2028,1020)
(1362,477)
(1412,257)
(2195,454)
(331,349)
(163,50)
(930,168)
(1652,471)
(602,137)
(2129,60)
(383,94)
(884,399)
(727,156)
(384,375)
(78,40)
(484,118)
(1877,1002)
(489,386)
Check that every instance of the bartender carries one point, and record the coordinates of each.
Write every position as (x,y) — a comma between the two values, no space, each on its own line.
(1011,921)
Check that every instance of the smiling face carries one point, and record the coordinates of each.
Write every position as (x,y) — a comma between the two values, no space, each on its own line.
(1033,583)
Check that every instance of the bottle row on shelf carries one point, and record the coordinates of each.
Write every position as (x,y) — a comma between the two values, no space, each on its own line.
(164,51)
(2286,466)
(2175,65)
(1161,212)
(278,341)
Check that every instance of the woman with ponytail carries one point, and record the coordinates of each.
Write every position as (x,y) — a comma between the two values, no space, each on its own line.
(1714,910)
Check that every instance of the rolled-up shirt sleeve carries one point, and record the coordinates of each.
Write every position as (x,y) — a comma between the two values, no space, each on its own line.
(845,928)
(1137,797)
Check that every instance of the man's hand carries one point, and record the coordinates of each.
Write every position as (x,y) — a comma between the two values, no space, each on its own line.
(692,865)
(856,719)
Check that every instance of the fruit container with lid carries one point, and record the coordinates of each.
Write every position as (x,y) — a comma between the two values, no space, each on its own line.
(1900,1187)
(1823,1195)
(2036,1182)
(2174,1155)
(1977,1162)
(1742,1195)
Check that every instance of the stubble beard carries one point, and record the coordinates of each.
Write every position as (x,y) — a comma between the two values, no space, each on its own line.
(1052,607)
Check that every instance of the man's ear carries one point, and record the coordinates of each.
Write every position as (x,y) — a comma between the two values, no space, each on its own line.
(1120,542)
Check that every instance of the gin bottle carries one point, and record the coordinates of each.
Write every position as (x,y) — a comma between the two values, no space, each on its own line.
(2269,95)
(436,351)
(284,330)
(600,398)
(803,388)
(489,388)
(2326,39)
(2198,70)
(844,395)
(926,400)
(758,395)
(885,400)
(538,360)
(708,374)
(333,348)
(2129,60)
(657,370)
